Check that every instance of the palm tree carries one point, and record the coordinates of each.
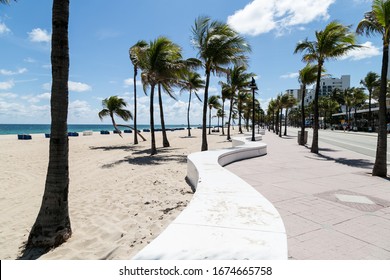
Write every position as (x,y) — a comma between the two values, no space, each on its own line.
(213,103)
(290,102)
(191,82)
(238,81)
(114,105)
(220,114)
(52,226)
(370,82)
(307,76)
(159,64)
(327,104)
(271,110)
(5,1)
(226,94)
(331,43)
(242,98)
(358,99)
(135,54)
(218,45)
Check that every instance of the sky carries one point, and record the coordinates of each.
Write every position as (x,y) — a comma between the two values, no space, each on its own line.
(101,33)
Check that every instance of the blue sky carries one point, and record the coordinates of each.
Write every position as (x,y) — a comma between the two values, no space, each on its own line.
(101,32)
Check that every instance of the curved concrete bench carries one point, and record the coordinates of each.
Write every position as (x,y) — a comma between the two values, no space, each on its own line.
(226,218)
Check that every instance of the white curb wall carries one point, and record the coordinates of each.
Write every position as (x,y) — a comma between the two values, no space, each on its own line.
(226,218)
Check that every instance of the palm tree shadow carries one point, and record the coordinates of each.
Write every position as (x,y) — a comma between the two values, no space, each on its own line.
(32,253)
(359,163)
(125,148)
(143,157)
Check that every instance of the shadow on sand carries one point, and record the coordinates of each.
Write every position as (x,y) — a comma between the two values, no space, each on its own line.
(143,157)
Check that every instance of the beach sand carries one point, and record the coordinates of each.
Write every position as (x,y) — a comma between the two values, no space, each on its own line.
(120,198)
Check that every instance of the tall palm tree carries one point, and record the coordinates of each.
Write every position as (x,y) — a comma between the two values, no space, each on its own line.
(327,104)
(238,81)
(218,46)
(358,99)
(370,82)
(307,76)
(192,82)
(271,113)
(226,94)
(135,54)
(159,64)
(5,1)
(213,103)
(52,226)
(290,102)
(242,98)
(115,105)
(331,43)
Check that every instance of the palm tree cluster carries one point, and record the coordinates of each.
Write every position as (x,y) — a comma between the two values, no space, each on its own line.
(333,42)
(163,68)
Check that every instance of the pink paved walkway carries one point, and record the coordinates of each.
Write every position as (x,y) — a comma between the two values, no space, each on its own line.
(331,206)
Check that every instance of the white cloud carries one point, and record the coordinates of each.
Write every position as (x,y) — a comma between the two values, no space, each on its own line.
(289,76)
(261,16)
(368,50)
(9,72)
(4,29)
(73,86)
(6,85)
(130,82)
(45,95)
(8,95)
(30,60)
(79,108)
(78,87)
(39,35)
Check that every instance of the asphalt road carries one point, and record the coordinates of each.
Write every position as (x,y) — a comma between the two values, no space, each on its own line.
(360,142)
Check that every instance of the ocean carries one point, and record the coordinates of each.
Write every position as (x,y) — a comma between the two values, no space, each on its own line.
(7,129)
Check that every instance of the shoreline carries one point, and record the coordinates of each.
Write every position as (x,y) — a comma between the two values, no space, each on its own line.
(120,198)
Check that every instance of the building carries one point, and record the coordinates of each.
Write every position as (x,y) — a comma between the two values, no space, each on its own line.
(295,92)
(327,85)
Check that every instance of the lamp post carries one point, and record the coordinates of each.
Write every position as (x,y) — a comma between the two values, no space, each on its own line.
(253,86)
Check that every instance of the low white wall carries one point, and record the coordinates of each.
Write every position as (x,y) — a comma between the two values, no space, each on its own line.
(226,218)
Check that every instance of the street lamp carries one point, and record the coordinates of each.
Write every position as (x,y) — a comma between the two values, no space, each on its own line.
(253,86)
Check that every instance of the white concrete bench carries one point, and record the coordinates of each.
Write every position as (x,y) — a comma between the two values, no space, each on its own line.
(226,218)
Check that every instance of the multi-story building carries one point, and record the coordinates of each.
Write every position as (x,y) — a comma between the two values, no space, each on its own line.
(327,85)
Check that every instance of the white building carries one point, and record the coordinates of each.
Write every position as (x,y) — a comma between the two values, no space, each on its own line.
(327,85)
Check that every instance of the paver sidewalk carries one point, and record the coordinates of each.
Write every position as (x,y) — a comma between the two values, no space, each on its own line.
(331,206)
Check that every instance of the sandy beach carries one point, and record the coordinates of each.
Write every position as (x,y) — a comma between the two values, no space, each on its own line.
(120,197)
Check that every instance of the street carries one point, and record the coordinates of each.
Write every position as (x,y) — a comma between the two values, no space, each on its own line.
(360,142)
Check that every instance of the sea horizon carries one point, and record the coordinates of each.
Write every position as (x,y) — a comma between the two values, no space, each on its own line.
(14,129)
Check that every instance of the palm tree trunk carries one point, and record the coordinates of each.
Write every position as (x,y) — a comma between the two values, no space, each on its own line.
(223,116)
(204,117)
(273,121)
(114,124)
(230,117)
(209,120)
(369,110)
(277,122)
(285,123)
(314,145)
(380,165)
(188,115)
(153,149)
(52,225)
(302,138)
(239,122)
(280,122)
(135,107)
(164,132)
